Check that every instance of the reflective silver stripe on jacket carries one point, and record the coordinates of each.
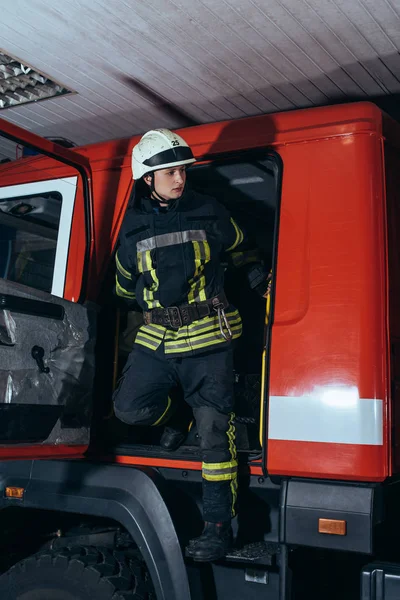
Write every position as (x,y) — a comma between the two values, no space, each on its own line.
(171,239)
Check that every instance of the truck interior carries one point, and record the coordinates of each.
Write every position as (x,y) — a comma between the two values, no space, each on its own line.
(248,185)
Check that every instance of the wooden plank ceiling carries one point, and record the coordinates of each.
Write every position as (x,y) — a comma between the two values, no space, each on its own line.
(140,64)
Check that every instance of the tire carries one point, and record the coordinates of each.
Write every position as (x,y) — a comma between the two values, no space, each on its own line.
(78,573)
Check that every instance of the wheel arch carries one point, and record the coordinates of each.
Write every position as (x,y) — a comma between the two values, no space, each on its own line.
(128,495)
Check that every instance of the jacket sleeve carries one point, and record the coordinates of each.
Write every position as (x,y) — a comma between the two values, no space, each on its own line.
(125,277)
(232,234)
(243,255)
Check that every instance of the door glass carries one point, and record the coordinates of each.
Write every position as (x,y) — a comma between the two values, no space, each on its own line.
(37,201)
(28,238)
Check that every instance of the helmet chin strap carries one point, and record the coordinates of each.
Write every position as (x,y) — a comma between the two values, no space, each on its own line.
(154,194)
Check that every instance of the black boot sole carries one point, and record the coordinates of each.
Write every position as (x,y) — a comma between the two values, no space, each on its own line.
(211,557)
(178,441)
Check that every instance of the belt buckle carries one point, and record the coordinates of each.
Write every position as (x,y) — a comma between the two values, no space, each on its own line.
(173,317)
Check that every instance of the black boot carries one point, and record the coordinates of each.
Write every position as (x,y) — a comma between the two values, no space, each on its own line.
(214,542)
(175,432)
(172,438)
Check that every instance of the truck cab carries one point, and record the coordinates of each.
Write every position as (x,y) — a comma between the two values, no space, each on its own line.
(315,370)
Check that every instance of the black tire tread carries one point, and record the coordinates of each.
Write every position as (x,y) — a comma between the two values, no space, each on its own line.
(118,574)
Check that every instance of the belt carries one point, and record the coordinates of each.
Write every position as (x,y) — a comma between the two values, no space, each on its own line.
(175,317)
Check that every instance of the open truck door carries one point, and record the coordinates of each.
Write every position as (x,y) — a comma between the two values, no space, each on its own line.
(47,335)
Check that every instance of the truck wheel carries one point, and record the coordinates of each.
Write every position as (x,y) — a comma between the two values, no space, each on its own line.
(78,573)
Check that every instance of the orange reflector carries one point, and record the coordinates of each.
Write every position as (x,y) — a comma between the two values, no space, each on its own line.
(14,492)
(332,526)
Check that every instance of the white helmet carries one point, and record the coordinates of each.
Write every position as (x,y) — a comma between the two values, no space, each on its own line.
(159,149)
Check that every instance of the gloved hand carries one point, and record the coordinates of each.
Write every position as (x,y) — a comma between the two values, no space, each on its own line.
(260,280)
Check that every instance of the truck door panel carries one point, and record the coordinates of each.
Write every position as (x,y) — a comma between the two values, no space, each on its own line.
(46,367)
(47,341)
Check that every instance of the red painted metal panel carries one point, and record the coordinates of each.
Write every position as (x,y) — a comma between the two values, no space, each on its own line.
(330,315)
(331,296)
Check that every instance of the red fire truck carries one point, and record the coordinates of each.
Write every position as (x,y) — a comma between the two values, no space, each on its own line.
(91,508)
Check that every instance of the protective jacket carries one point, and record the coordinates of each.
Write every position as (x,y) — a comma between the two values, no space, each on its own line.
(173,257)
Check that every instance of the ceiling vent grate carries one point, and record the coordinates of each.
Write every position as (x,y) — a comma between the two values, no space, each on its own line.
(20,84)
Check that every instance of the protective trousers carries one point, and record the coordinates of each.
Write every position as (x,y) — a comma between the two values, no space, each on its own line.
(142,398)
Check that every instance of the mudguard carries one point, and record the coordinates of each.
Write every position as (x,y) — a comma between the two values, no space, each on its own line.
(128,495)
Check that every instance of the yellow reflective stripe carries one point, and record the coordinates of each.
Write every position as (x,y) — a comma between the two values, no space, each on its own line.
(121,269)
(179,335)
(146,297)
(150,338)
(210,326)
(156,326)
(267,309)
(202,291)
(147,340)
(204,336)
(197,292)
(202,326)
(148,293)
(225,471)
(194,282)
(173,349)
(233,453)
(222,477)
(147,260)
(198,327)
(231,437)
(234,490)
(156,330)
(198,282)
(197,258)
(139,258)
(207,336)
(220,473)
(122,291)
(189,345)
(143,343)
(202,254)
(141,262)
(207,252)
(153,302)
(191,294)
(164,413)
(212,321)
(224,465)
(239,236)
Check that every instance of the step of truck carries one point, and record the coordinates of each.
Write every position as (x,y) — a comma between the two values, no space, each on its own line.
(185,452)
(256,553)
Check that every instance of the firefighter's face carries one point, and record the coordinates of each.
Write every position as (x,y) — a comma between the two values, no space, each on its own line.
(169,183)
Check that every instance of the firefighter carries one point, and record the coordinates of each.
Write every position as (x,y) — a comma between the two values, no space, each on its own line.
(169,263)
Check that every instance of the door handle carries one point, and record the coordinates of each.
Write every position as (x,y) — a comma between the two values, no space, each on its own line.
(28,306)
(37,353)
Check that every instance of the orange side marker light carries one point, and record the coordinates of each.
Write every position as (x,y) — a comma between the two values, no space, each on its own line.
(14,492)
(332,526)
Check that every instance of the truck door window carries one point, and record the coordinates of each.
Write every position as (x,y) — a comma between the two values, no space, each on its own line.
(35,223)
(247,186)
